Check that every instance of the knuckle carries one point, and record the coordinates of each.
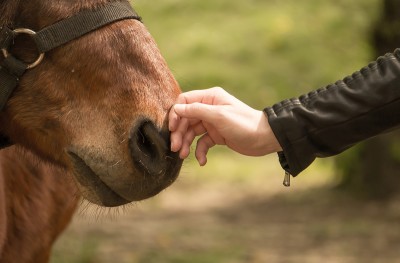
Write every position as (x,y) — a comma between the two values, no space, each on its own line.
(218,90)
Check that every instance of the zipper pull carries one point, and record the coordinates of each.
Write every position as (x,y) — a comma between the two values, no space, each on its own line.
(286,179)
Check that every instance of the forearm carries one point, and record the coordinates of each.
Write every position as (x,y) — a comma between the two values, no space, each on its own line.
(327,121)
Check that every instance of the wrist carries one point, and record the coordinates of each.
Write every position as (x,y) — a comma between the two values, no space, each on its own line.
(270,143)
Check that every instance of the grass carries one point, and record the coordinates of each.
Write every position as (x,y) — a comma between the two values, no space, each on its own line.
(76,251)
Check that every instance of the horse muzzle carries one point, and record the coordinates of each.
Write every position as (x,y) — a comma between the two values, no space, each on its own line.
(113,180)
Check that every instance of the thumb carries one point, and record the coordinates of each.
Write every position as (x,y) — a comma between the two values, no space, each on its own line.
(200,111)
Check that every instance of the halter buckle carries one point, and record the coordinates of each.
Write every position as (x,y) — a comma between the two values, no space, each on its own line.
(18,31)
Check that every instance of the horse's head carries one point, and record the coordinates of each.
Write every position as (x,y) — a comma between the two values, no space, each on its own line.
(96,105)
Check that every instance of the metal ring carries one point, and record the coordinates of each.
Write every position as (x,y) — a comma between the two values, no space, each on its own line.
(18,31)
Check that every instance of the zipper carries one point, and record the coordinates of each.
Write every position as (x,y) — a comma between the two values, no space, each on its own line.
(285,166)
(286,179)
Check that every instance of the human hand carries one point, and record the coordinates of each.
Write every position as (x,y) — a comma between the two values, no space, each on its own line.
(220,119)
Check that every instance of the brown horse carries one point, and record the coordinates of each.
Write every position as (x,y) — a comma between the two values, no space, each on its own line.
(91,116)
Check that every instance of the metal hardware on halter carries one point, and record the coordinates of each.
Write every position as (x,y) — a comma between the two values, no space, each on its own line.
(18,31)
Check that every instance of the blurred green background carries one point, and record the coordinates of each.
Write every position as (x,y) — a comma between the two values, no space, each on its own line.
(235,209)
(261,51)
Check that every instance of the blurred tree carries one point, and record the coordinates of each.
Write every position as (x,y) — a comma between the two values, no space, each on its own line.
(372,169)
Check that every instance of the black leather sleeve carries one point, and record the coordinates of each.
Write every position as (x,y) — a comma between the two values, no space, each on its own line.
(329,120)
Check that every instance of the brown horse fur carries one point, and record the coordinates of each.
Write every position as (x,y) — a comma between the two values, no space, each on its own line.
(37,203)
(72,119)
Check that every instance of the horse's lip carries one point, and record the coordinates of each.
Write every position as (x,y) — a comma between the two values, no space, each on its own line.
(86,177)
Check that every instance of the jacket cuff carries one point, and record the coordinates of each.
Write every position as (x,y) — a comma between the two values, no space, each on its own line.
(296,155)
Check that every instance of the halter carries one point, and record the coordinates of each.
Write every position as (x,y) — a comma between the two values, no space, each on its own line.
(48,38)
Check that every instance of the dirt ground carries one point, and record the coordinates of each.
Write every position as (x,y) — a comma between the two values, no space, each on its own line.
(238,221)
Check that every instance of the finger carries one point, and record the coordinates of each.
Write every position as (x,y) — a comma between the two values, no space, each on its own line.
(186,143)
(197,111)
(177,135)
(206,96)
(173,120)
(191,134)
(203,145)
(184,152)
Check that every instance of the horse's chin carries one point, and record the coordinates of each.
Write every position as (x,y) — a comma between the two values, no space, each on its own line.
(103,185)
(92,187)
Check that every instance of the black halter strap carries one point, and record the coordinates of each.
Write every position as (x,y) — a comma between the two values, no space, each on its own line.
(53,36)
(82,23)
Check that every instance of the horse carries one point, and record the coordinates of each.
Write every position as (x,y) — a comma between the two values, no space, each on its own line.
(86,121)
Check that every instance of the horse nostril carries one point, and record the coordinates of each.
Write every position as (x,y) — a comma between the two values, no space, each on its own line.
(150,141)
(150,148)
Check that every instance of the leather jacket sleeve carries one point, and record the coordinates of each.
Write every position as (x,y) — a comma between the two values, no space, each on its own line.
(329,120)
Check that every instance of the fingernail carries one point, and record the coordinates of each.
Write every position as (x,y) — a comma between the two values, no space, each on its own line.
(202,161)
(173,146)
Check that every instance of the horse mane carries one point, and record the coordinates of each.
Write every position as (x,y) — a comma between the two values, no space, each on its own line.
(8,10)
